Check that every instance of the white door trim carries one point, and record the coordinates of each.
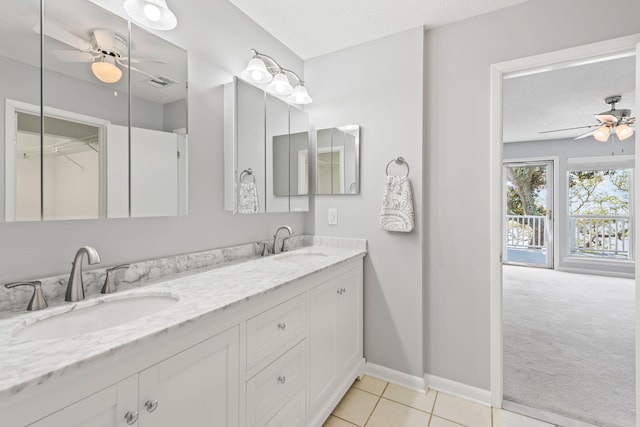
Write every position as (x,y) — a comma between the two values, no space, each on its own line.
(624,46)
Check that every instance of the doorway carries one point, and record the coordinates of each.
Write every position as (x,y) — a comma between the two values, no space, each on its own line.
(528,221)
(623,47)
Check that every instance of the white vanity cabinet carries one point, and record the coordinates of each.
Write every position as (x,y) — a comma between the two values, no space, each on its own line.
(335,334)
(196,387)
(281,358)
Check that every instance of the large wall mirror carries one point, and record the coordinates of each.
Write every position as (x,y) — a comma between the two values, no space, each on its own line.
(98,128)
(266,152)
(338,160)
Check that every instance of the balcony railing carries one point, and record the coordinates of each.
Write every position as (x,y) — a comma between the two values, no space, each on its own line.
(525,231)
(603,236)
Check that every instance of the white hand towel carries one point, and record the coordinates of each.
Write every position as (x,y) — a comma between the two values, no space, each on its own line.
(248,200)
(397,205)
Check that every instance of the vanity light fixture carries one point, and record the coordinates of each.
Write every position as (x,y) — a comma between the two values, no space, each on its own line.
(153,14)
(106,70)
(264,69)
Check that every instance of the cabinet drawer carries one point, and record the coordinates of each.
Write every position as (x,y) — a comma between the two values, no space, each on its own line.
(293,414)
(268,390)
(272,330)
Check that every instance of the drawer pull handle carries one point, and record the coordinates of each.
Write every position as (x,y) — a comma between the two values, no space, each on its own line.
(344,290)
(151,405)
(282,379)
(282,326)
(339,291)
(131,417)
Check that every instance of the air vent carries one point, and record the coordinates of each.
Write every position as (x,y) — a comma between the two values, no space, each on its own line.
(160,81)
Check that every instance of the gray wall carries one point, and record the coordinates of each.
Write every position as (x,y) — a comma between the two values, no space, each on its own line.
(219,38)
(355,86)
(564,150)
(457,60)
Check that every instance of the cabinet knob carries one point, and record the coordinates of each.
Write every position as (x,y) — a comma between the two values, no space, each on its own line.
(282,379)
(151,405)
(131,417)
(339,291)
(282,326)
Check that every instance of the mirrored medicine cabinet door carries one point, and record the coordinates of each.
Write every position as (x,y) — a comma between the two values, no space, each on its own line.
(266,152)
(78,143)
(338,160)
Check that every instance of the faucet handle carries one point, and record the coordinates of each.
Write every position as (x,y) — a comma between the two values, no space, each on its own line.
(37,301)
(109,284)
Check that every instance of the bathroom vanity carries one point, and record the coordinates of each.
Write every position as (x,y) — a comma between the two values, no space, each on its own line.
(273,341)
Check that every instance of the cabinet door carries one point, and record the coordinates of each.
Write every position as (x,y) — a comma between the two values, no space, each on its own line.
(323,324)
(198,387)
(106,408)
(349,315)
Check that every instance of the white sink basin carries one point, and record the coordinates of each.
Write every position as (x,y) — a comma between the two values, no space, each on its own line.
(299,257)
(95,317)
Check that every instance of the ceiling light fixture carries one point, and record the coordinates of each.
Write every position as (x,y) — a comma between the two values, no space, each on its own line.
(264,69)
(153,14)
(623,132)
(602,133)
(106,70)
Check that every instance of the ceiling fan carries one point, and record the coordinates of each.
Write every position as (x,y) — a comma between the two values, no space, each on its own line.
(105,51)
(616,121)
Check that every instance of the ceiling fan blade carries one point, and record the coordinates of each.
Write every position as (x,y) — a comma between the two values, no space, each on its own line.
(124,64)
(73,56)
(64,36)
(141,60)
(584,135)
(105,39)
(606,118)
(573,128)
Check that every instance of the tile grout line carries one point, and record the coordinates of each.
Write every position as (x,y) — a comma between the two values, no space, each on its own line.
(376,405)
(433,407)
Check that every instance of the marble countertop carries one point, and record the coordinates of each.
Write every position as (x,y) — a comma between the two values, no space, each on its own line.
(26,363)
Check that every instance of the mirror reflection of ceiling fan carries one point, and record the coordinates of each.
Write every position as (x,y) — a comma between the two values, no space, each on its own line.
(615,121)
(105,51)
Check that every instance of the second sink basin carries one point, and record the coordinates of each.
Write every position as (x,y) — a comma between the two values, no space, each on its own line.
(95,317)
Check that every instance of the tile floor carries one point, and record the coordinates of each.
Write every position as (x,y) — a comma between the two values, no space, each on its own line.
(372,402)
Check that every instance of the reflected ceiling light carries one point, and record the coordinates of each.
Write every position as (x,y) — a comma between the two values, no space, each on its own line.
(106,70)
(153,14)
(264,69)
(623,132)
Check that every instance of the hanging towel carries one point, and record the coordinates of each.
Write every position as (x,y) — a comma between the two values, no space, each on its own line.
(248,200)
(397,205)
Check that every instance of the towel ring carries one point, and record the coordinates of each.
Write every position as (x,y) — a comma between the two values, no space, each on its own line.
(247,172)
(399,161)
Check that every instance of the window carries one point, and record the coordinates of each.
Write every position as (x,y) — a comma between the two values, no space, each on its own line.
(600,210)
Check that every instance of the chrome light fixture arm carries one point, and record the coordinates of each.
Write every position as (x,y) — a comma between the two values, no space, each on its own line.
(274,67)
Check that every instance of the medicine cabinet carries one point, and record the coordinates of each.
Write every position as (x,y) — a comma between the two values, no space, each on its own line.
(266,152)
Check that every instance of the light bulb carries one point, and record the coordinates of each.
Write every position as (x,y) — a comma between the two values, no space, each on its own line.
(300,96)
(623,132)
(256,75)
(152,12)
(256,71)
(602,133)
(280,85)
(106,71)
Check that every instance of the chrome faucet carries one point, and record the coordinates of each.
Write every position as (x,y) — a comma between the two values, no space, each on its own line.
(275,239)
(75,286)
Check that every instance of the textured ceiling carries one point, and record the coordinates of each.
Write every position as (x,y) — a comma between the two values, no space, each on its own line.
(311,28)
(564,98)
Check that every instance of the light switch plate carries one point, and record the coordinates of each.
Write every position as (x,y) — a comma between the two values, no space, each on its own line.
(333,216)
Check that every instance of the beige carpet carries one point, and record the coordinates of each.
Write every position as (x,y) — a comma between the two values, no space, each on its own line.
(569,344)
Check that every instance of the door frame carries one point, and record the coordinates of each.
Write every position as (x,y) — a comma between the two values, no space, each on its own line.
(553,243)
(619,47)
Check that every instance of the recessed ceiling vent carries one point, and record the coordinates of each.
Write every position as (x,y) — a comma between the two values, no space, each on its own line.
(160,82)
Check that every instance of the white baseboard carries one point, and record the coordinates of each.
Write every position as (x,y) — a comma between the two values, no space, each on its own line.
(393,376)
(457,389)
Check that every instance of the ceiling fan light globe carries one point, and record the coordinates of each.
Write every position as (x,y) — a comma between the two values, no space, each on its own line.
(256,72)
(602,133)
(623,132)
(154,14)
(106,71)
